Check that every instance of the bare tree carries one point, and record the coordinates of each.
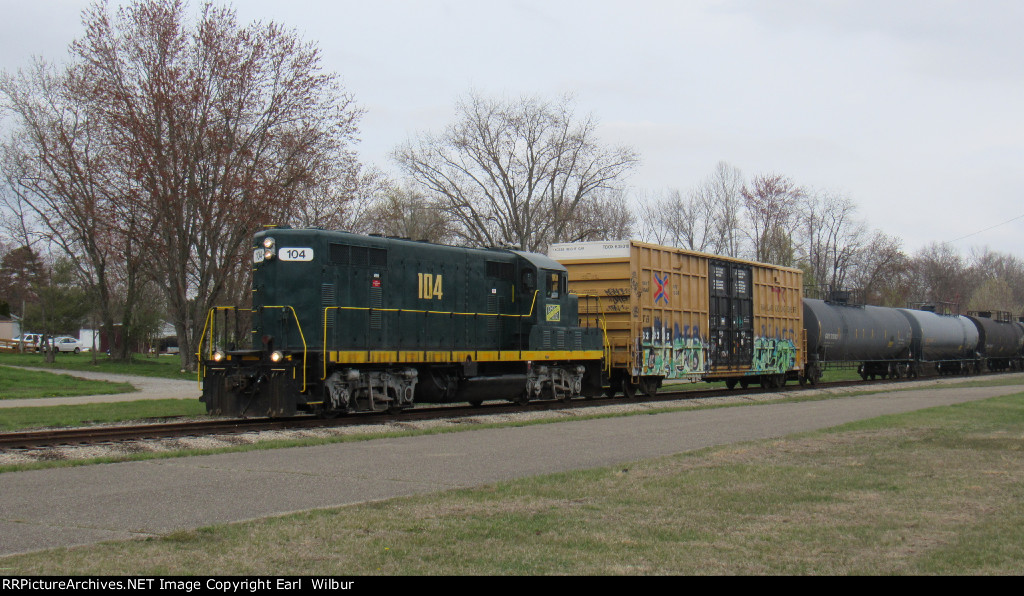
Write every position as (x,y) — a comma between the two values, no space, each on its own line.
(939,274)
(997,280)
(724,191)
(656,213)
(59,168)
(515,172)
(879,271)
(222,128)
(677,221)
(831,237)
(771,202)
(606,216)
(338,197)
(407,213)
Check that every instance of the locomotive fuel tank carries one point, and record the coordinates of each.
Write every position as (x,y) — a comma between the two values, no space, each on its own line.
(846,333)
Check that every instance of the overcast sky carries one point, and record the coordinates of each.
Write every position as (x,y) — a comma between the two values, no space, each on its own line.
(913,109)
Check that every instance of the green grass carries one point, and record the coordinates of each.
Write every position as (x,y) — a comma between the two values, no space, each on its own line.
(938,491)
(24,384)
(168,367)
(101,413)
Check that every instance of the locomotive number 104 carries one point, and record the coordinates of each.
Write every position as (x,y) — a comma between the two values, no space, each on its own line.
(430,286)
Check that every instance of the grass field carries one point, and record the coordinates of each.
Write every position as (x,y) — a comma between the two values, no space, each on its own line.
(938,491)
(159,366)
(12,419)
(25,384)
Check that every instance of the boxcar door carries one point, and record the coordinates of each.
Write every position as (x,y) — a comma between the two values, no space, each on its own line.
(731,323)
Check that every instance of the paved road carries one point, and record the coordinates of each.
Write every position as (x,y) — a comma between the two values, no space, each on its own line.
(64,507)
(148,388)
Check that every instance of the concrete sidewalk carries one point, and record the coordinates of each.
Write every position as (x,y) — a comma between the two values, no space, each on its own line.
(148,388)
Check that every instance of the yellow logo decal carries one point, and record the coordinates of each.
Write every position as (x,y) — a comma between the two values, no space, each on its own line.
(554,312)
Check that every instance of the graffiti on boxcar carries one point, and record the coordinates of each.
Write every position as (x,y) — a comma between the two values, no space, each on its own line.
(618,299)
(671,352)
(773,356)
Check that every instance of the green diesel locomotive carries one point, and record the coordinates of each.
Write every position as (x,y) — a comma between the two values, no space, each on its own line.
(345,323)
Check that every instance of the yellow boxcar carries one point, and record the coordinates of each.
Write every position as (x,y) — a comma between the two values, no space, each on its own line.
(670,313)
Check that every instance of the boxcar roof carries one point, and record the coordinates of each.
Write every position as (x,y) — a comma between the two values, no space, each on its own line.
(617,250)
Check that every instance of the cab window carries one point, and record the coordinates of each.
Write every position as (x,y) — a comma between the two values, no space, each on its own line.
(556,284)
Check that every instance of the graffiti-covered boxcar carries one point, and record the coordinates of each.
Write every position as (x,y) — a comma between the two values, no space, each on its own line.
(677,314)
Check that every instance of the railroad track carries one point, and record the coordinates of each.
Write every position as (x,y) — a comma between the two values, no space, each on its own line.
(227,426)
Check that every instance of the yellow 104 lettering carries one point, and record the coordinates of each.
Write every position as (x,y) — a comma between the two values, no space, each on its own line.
(430,286)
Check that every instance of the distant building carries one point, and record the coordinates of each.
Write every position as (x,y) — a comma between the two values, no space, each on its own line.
(10,327)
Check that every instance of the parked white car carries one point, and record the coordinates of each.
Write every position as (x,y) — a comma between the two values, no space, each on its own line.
(67,343)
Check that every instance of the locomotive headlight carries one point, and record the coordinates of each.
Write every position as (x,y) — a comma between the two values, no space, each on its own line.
(268,248)
(276,356)
(268,242)
(218,356)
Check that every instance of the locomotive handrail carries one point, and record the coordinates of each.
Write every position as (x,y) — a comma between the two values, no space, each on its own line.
(209,317)
(411,310)
(602,321)
(199,350)
(302,336)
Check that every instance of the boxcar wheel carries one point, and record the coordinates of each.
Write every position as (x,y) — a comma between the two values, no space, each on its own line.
(649,385)
(628,389)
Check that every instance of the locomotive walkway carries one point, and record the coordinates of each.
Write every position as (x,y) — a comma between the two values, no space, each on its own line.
(72,506)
